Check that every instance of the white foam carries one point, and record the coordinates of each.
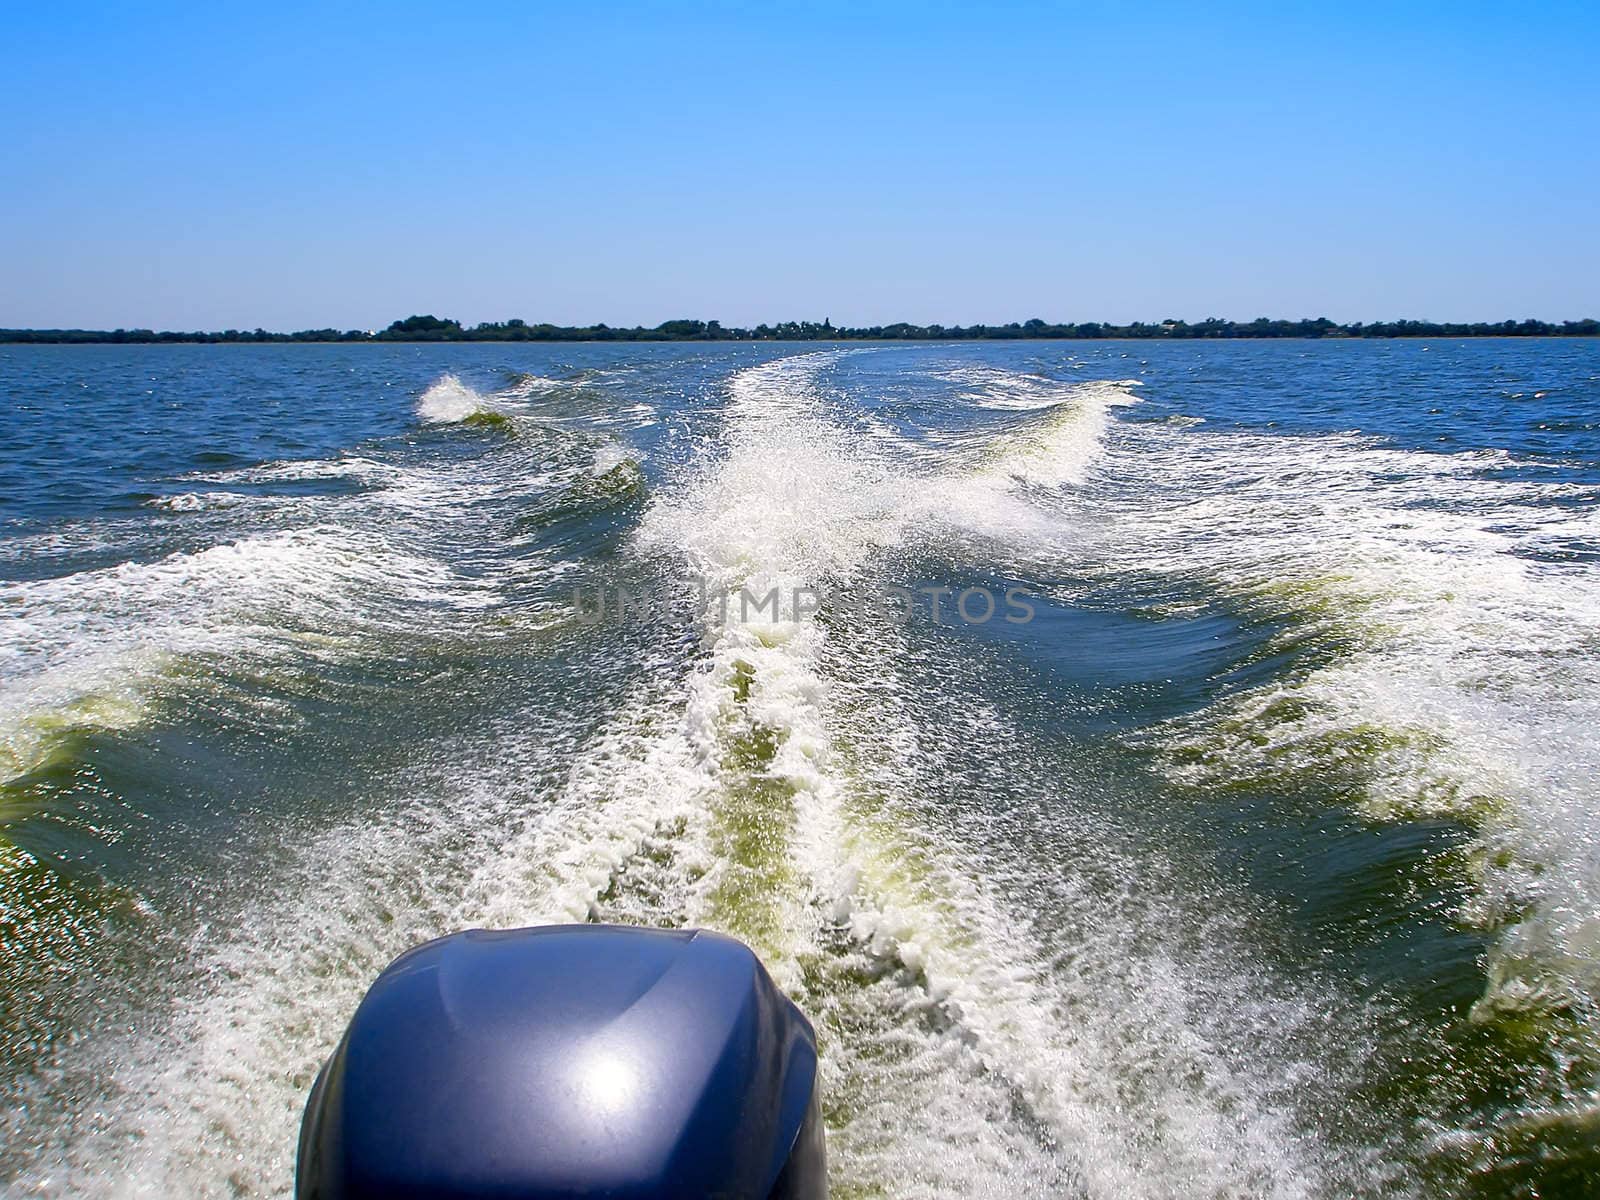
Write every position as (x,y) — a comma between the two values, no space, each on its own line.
(447,400)
(963,1058)
(189,501)
(91,649)
(87,650)
(1467,663)
(1060,449)
(611,455)
(347,466)
(791,502)
(1018,391)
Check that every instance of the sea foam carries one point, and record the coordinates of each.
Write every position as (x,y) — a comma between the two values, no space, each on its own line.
(448,400)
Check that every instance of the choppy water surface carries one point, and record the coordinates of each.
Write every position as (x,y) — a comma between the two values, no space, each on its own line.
(1263,861)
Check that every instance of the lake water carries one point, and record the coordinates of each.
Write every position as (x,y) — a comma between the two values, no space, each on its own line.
(1249,847)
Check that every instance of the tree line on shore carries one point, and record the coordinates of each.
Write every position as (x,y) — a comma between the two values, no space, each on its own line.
(443,329)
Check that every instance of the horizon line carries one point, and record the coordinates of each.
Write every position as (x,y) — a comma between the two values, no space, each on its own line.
(428,328)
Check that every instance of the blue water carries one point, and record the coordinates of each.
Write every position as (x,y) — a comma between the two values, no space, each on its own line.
(1263,860)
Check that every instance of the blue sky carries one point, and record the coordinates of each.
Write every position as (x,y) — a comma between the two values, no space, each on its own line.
(221,166)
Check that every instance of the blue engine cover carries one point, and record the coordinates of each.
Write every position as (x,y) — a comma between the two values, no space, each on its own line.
(566,1061)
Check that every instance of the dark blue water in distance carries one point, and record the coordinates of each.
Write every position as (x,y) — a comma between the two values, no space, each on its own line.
(1262,861)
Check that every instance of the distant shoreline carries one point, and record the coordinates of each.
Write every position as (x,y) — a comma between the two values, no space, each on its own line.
(436,329)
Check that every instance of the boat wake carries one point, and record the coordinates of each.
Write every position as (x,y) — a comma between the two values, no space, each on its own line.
(1011,997)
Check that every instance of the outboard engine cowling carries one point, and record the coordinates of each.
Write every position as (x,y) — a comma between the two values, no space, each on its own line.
(567,1061)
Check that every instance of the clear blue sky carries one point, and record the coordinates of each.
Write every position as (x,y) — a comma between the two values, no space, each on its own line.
(217,165)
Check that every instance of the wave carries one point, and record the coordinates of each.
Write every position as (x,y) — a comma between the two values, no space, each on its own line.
(745,781)
(346,466)
(1019,391)
(787,851)
(191,501)
(1059,446)
(1447,667)
(92,650)
(448,400)
(330,575)
(557,402)
(790,502)
(245,632)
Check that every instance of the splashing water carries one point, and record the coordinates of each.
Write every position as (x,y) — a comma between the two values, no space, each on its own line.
(980,857)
